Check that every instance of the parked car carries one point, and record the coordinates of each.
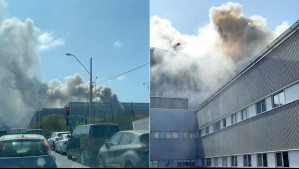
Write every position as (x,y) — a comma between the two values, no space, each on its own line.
(54,137)
(3,132)
(86,141)
(25,151)
(61,144)
(126,149)
(35,131)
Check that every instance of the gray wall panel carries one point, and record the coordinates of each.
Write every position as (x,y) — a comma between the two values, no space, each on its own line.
(271,131)
(172,149)
(276,70)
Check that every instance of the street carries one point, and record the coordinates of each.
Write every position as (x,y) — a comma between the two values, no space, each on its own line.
(63,162)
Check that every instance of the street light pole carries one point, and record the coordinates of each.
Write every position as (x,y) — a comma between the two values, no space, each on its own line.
(90,83)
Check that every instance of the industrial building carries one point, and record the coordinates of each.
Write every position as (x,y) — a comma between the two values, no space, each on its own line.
(250,121)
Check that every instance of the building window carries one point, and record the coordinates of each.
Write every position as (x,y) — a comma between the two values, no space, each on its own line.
(282,159)
(216,126)
(191,135)
(234,118)
(179,163)
(224,122)
(261,107)
(278,100)
(154,164)
(224,162)
(262,160)
(244,114)
(155,134)
(185,134)
(208,162)
(234,161)
(247,160)
(169,163)
(207,130)
(175,135)
(216,161)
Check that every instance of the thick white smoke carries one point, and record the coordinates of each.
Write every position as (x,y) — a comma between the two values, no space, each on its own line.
(198,64)
(20,86)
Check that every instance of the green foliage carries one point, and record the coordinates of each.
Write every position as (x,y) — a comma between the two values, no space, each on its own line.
(53,122)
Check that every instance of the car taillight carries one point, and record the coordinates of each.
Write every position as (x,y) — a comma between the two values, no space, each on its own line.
(65,142)
(89,142)
(141,149)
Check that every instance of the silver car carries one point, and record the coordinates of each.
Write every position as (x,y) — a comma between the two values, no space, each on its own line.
(61,144)
(54,137)
(126,149)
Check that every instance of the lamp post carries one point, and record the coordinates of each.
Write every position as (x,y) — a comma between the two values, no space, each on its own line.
(90,82)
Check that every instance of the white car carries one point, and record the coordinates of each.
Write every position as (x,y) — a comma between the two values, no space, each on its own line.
(61,144)
(55,137)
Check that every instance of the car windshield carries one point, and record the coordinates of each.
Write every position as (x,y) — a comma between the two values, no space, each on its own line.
(22,148)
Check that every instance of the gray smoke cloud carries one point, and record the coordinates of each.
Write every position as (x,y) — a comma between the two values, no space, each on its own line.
(20,86)
(193,66)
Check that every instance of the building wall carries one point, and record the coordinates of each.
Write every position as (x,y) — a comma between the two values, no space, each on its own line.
(142,124)
(181,149)
(276,70)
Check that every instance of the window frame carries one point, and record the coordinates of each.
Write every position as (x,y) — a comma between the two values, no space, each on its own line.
(260,105)
(282,159)
(263,157)
(234,161)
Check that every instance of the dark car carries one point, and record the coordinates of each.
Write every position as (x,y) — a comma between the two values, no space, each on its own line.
(3,132)
(126,149)
(35,131)
(86,140)
(25,151)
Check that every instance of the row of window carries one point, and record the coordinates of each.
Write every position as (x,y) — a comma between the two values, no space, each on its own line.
(172,135)
(261,106)
(281,160)
(172,163)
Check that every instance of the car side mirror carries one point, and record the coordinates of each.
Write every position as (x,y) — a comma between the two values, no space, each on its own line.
(107,144)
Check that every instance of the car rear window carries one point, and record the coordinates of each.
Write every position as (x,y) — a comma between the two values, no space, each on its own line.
(144,138)
(103,131)
(22,148)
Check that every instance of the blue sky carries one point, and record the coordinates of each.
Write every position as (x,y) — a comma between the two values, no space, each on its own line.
(188,15)
(115,33)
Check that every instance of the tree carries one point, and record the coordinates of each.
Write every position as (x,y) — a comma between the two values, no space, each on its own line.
(53,122)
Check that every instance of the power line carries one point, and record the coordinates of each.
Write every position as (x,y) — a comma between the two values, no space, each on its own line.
(139,67)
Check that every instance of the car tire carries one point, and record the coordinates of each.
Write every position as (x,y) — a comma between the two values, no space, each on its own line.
(101,163)
(129,165)
(68,155)
(82,158)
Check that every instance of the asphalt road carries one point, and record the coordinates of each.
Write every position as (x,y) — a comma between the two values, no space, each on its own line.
(63,162)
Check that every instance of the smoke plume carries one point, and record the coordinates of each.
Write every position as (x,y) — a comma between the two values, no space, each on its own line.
(20,86)
(193,66)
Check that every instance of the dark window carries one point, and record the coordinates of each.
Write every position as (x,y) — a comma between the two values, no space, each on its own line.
(247,160)
(144,138)
(261,107)
(23,148)
(244,114)
(209,162)
(103,131)
(262,160)
(282,159)
(234,161)
(224,122)
(216,126)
